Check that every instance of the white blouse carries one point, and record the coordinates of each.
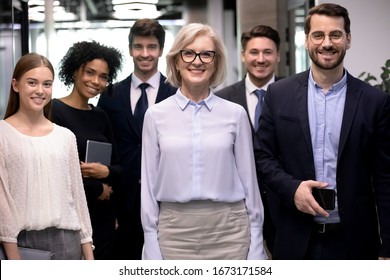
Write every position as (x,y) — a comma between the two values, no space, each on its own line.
(41,184)
(198,151)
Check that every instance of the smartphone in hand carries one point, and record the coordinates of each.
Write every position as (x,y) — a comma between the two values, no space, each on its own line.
(325,198)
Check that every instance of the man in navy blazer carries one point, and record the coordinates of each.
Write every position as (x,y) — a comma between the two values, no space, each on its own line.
(260,55)
(324,129)
(146,44)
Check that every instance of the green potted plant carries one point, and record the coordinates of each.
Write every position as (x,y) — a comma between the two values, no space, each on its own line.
(384,84)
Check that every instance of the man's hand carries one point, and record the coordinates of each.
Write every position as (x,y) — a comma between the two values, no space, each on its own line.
(304,200)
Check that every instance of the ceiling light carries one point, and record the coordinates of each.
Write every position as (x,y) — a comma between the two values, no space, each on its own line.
(136,6)
(37,13)
(118,2)
(41,3)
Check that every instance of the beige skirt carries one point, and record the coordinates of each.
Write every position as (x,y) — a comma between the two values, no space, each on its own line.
(204,230)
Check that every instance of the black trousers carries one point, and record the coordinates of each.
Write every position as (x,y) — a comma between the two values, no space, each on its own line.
(268,226)
(326,246)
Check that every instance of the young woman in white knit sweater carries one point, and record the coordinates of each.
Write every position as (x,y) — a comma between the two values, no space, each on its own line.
(42,200)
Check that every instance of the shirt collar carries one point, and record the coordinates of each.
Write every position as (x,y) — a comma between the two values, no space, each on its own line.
(250,87)
(184,101)
(153,81)
(336,87)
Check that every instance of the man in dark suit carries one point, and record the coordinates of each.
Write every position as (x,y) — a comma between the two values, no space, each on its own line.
(146,44)
(326,130)
(260,55)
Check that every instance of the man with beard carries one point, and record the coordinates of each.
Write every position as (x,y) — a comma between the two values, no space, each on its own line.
(323,152)
(125,104)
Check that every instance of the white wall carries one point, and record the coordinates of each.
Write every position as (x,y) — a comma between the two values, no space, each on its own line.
(116,37)
(370,30)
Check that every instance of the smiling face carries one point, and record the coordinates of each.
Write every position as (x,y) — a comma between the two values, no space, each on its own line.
(327,55)
(92,78)
(34,88)
(197,73)
(260,57)
(146,52)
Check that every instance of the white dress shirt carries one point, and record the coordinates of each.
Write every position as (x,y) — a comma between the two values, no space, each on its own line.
(151,91)
(251,97)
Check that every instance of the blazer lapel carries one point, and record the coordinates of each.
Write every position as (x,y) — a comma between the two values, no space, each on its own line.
(163,89)
(352,98)
(126,104)
(239,94)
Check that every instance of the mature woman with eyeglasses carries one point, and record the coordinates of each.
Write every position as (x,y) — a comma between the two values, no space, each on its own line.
(199,192)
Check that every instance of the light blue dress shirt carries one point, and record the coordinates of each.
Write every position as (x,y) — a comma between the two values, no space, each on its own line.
(325,118)
(198,151)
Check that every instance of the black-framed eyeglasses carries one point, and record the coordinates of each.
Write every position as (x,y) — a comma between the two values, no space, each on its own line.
(318,37)
(189,56)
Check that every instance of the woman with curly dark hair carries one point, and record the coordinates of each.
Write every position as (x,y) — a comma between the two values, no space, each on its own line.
(89,67)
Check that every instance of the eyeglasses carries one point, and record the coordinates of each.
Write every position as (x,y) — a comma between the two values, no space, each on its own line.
(189,56)
(319,37)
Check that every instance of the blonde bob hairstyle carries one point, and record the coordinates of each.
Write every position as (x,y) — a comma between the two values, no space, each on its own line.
(185,37)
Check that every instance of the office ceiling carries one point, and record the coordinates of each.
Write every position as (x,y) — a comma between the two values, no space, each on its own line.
(100,10)
(95,10)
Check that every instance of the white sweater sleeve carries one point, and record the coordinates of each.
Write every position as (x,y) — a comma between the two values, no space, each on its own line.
(78,192)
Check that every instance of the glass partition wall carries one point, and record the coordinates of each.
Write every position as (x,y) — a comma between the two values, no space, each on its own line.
(298,57)
(13,43)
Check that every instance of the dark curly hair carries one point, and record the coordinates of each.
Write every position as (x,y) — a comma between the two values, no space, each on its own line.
(80,53)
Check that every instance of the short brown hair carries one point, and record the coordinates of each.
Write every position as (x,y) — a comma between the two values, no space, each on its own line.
(260,31)
(331,10)
(147,27)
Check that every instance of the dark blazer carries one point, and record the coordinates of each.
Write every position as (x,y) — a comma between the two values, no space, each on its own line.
(284,157)
(116,102)
(237,94)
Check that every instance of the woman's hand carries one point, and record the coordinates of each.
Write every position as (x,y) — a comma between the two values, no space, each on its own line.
(11,250)
(94,170)
(87,250)
(107,191)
